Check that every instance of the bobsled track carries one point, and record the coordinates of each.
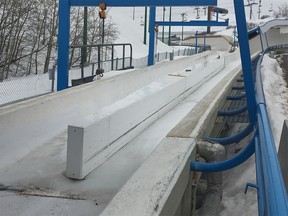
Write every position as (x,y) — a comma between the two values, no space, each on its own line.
(136,143)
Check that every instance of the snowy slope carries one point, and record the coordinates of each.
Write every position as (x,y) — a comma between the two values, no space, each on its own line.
(124,17)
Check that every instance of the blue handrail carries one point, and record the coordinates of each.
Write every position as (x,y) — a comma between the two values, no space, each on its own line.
(269,175)
(271,190)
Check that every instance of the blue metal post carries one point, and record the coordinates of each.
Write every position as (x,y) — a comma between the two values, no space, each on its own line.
(245,58)
(204,41)
(151,36)
(63,44)
(196,34)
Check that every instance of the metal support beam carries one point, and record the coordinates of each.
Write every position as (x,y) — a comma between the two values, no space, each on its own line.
(245,59)
(151,36)
(63,45)
(143,3)
(194,23)
(64,26)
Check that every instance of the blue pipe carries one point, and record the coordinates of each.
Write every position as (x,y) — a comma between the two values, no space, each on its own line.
(236,97)
(242,156)
(238,87)
(232,112)
(234,138)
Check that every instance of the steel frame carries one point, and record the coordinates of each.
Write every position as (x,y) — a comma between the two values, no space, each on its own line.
(64,26)
(194,23)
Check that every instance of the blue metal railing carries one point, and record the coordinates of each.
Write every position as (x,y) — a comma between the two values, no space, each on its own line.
(272,196)
(271,190)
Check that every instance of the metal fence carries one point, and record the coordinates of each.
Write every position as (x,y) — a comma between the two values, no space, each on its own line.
(19,88)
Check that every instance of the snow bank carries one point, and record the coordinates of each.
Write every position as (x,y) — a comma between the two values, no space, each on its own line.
(276,95)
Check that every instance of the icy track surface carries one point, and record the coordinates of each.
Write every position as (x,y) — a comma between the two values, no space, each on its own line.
(42,168)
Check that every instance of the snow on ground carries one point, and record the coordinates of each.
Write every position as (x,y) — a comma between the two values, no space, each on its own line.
(132,33)
(235,202)
(276,95)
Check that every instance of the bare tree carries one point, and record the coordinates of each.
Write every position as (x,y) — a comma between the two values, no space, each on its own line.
(94,33)
(52,27)
(28,35)
(282,11)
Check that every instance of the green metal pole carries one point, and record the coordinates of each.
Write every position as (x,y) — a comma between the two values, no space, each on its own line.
(145,26)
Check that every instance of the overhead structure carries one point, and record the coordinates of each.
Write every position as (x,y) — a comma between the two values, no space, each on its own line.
(142,3)
(64,26)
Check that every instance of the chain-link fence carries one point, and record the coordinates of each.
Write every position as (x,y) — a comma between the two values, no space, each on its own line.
(19,88)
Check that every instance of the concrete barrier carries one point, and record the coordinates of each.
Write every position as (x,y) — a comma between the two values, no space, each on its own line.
(38,120)
(91,144)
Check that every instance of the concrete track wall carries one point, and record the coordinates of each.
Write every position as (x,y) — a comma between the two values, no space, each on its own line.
(216,42)
(99,140)
(272,34)
(163,185)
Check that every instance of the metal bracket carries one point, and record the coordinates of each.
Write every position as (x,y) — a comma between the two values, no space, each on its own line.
(250,185)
